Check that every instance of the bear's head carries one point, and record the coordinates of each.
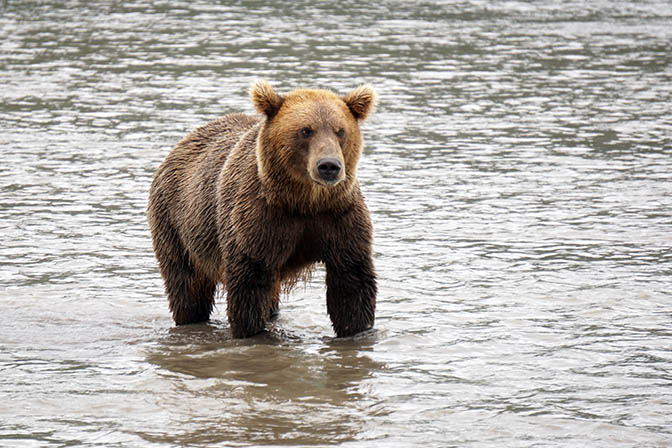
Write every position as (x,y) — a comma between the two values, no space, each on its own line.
(310,142)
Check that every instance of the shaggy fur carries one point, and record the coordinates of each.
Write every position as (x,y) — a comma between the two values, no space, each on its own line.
(243,201)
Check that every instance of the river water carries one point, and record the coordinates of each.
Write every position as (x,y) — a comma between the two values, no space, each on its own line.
(518,171)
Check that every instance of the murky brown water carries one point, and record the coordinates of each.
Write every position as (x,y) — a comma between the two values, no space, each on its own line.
(518,173)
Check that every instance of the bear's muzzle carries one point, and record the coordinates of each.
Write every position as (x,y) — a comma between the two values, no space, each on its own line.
(326,165)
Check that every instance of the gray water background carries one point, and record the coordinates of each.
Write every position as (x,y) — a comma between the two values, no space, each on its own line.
(518,171)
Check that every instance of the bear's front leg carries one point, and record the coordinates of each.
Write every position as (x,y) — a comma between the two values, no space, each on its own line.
(351,295)
(250,296)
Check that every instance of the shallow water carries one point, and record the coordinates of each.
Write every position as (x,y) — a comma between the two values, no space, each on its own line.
(518,174)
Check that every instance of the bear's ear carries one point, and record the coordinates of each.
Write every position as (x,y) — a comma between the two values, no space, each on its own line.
(361,101)
(264,98)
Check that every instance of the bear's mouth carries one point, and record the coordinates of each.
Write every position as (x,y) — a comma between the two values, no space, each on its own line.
(325,183)
(328,182)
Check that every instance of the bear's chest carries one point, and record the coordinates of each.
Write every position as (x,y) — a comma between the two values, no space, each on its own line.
(308,247)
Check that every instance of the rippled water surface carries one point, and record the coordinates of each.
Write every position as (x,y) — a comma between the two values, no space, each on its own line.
(518,171)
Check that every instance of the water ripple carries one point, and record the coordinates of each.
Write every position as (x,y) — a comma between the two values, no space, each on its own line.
(517,173)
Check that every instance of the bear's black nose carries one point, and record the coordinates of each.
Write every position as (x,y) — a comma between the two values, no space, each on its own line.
(328,168)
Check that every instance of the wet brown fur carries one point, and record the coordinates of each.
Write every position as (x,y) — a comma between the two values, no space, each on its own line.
(239,201)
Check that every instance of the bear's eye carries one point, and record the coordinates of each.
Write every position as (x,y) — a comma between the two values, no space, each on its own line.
(307,132)
(340,133)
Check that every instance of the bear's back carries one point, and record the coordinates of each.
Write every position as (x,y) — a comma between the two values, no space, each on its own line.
(185,186)
(219,135)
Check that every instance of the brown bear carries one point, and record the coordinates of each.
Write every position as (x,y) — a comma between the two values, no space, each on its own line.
(255,203)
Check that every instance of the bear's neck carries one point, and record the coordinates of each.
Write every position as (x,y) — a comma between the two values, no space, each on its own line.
(309,198)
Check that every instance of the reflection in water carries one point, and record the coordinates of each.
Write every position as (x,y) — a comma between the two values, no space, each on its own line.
(517,171)
(269,388)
